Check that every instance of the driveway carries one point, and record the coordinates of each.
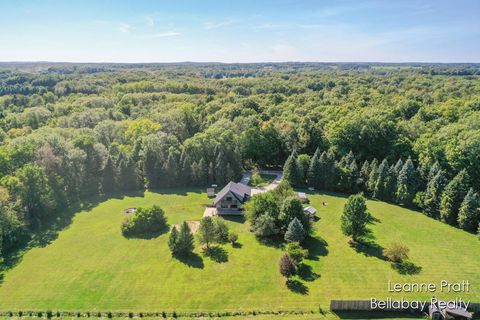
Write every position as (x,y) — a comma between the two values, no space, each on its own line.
(255,190)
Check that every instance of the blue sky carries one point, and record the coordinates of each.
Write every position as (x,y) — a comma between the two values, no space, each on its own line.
(240,31)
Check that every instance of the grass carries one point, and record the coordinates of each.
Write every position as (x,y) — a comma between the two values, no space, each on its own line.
(90,266)
(261,179)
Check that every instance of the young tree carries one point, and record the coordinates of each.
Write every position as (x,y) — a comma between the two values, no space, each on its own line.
(406,183)
(355,217)
(232,237)
(206,232)
(452,197)
(287,266)
(185,240)
(469,213)
(173,241)
(295,232)
(221,230)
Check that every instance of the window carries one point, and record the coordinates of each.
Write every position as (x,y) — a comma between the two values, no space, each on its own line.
(229,198)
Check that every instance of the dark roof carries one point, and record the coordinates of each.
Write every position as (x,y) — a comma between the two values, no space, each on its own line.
(457,312)
(239,190)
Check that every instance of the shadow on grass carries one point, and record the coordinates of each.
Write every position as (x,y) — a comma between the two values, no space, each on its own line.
(274,241)
(376,315)
(317,247)
(368,248)
(191,259)
(148,235)
(406,267)
(297,287)
(236,218)
(306,273)
(216,253)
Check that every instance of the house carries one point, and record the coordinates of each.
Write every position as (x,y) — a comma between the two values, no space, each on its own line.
(303,197)
(446,313)
(231,198)
(310,211)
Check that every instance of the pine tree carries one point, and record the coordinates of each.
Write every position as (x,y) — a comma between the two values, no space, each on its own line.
(349,158)
(290,171)
(330,170)
(372,178)
(206,231)
(109,177)
(382,175)
(295,232)
(433,171)
(186,174)
(173,241)
(406,183)
(469,213)
(353,176)
(398,166)
(171,170)
(185,239)
(433,195)
(129,179)
(390,184)
(220,168)
(364,175)
(452,197)
(314,171)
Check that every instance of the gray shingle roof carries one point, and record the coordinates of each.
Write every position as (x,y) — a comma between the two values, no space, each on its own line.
(239,190)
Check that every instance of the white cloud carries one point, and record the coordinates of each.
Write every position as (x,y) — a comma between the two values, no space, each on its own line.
(216,25)
(150,21)
(161,35)
(125,28)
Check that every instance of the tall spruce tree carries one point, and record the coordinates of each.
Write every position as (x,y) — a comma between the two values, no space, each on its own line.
(314,171)
(469,213)
(452,197)
(295,231)
(290,171)
(433,195)
(406,183)
(364,175)
(382,175)
(185,240)
(170,170)
(109,179)
(372,178)
(390,184)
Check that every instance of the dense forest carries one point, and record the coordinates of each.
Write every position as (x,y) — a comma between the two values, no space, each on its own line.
(403,133)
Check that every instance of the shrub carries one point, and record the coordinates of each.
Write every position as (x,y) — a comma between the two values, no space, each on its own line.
(233,237)
(144,221)
(264,226)
(221,230)
(296,252)
(181,242)
(396,252)
(287,266)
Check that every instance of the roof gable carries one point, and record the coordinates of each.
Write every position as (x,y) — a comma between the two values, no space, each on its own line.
(239,191)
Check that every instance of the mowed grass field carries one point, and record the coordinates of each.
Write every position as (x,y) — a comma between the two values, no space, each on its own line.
(90,266)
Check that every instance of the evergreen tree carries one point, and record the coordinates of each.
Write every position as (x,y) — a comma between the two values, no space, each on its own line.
(129,179)
(173,241)
(372,178)
(290,171)
(355,217)
(109,177)
(452,197)
(398,166)
(292,208)
(469,213)
(406,183)
(170,169)
(433,195)
(330,171)
(314,171)
(185,239)
(206,231)
(353,177)
(380,184)
(433,171)
(390,184)
(187,177)
(364,175)
(349,158)
(220,168)
(295,232)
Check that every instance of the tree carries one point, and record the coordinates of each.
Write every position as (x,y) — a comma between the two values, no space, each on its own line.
(303,164)
(287,266)
(469,213)
(173,241)
(355,217)
(396,252)
(232,237)
(35,194)
(433,195)
(185,239)
(264,226)
(314,171)
(372,178)
(364,175)
(221,230)
(379,190)
(146,221)
(206,232)
(291,172)
(406,183)
(292,208)
(109,177)
(295,232)
(170,169)
(452,197)
(296,252)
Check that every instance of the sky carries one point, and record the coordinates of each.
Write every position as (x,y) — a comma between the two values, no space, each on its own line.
(240,31)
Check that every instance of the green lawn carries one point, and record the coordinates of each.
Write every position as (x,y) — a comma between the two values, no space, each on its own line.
(92,267)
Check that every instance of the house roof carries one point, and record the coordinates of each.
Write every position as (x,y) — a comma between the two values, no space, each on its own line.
(310,210)
(302,195)
(239,190)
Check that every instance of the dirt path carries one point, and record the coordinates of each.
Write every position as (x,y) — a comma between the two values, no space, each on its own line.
(255,190)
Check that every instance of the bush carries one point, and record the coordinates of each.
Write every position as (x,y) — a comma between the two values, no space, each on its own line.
(264,226)
(221,230)
(396,252)
(296,252)
(233,237)
(144,221)
(287,266)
